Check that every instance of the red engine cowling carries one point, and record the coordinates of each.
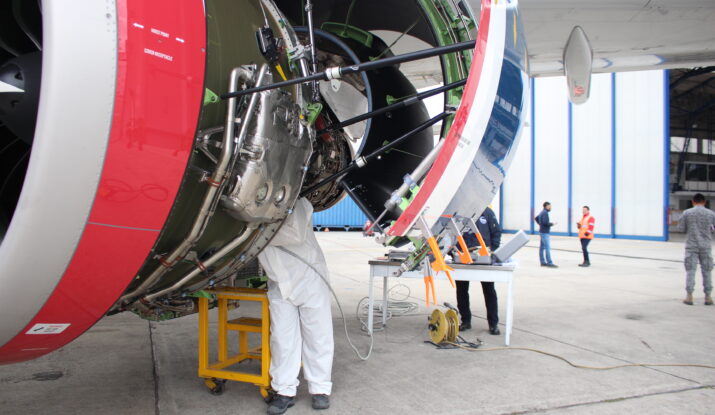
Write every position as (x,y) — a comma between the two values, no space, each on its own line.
(117,113)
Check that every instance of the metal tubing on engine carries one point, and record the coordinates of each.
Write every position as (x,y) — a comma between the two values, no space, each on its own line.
(214,182)
(362,161)
(249,114)
(336,72)
(196,271)
(313,58)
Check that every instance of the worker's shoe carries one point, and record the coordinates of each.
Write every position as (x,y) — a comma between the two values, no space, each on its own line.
(465,326)
(585,264)
(688,299)
(551,265)
(280,404)
(494,330)
(321,401)
(708,300)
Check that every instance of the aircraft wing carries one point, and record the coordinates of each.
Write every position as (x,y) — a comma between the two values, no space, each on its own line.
(625,35)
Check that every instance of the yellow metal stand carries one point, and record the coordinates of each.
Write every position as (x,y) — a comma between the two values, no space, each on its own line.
(217,373)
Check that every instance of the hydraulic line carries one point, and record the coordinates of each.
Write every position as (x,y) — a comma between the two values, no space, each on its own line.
(215,182)
(235,243)
(313,59)
(364,160)
(408,182)
(353,57)
(338,72)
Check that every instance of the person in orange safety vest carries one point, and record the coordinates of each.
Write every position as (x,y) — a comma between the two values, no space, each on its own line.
(585,233)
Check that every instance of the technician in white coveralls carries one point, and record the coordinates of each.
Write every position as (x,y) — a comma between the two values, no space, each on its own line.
(301,322)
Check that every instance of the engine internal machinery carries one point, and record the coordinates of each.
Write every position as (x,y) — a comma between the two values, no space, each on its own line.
(292,139)
(230,192)
(272,161)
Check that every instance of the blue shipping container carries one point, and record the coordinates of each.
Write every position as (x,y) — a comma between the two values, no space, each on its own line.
(345,214)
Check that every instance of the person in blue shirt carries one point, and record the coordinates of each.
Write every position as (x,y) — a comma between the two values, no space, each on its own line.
(491,233)
(545,224)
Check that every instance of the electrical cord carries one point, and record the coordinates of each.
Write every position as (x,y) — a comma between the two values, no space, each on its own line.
(474,347)
(340,307)
(399,307)
(396,306)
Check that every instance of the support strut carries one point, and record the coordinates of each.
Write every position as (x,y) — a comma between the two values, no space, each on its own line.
(339,71)
(404,103)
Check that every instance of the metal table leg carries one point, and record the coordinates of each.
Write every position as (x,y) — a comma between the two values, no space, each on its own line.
(370,303)
(509,311)
(384,301)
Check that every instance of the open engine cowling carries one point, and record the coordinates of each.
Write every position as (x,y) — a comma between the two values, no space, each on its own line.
(128,185)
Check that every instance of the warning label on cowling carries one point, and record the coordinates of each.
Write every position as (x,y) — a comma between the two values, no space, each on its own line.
(47,328)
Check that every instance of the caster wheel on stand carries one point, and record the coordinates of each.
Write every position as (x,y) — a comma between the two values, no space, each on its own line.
(216,386)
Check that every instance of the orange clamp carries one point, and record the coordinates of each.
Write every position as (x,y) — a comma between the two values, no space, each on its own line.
(483,251)
(429,286)
(438,264)
(464,253)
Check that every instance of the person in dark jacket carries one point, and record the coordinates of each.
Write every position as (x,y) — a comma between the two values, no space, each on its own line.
(545,224)
(491,233)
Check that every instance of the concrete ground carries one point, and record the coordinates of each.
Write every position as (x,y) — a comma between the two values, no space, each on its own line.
(624,309)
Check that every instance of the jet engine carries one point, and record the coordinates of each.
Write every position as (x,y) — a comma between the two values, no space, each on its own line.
(129,184)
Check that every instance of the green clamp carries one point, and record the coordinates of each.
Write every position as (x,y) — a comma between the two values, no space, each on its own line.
(406,201)
(312,112)
(210,97)
(417,242)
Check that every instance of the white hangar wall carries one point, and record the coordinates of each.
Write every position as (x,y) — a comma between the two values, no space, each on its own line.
(610,154)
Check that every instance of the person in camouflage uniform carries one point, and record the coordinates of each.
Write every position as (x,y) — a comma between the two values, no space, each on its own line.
(699,223)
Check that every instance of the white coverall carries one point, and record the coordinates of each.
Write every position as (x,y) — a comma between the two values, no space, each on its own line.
(299,302)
